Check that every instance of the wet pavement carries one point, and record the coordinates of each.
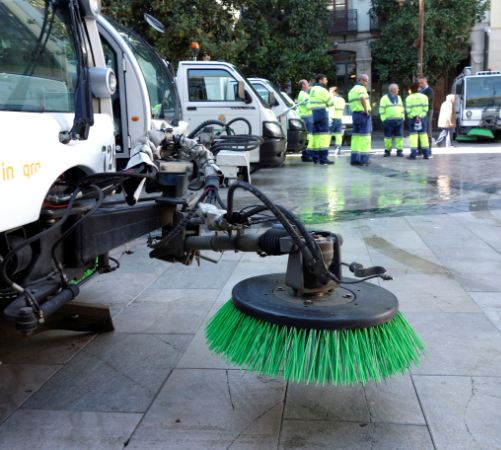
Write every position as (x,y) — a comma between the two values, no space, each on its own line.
(153,384)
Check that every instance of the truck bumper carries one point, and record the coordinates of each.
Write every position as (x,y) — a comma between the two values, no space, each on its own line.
(272,152)
(296,140)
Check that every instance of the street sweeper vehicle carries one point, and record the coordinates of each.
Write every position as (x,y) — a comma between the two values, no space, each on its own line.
(297,135)
(65,207)
(477,104)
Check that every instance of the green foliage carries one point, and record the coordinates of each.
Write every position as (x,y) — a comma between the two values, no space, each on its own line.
(274,39)
(288,39)
(447,28)
(212,24)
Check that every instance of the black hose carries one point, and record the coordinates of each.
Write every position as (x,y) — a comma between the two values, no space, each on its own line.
(205,124)
(305,250)
(36,237)
(99,201)
(241,119)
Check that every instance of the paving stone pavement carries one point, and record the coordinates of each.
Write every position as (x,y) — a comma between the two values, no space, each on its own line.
(153,383)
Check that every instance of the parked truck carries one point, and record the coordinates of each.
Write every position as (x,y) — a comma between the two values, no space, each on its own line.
(217,90)
(297,135)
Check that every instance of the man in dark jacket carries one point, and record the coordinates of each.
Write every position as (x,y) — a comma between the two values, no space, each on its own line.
(425,89)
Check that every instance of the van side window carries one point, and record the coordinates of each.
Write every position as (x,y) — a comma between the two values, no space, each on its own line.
(211,85)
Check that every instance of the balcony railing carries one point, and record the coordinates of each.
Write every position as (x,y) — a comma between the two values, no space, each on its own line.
(344,22)
(374,22)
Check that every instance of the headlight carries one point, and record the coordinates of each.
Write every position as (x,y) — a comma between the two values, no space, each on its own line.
(296,124)
(272,129)
(469,114)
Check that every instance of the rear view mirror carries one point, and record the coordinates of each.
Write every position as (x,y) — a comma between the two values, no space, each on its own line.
(272,101)
(242,93)
(241,90)
(154,23)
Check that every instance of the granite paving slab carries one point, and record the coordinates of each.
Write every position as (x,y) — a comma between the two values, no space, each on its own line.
(457,344)
(18,382)
(206,276)
(393,400)
(490,304)
(306,434)
(213,409)
(64,430)
(463,413)
(116,373)
(166,311)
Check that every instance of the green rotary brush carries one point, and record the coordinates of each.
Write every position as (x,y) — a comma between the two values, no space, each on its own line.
(310,324)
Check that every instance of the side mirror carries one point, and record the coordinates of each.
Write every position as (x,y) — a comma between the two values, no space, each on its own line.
(154,23)
(272,101)
(242,93)
(241,90)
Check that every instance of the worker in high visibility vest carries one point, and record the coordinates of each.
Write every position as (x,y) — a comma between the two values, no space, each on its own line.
(392,114)
(416,108)
(304,111)
(360,106)
(336,115)
(320,100)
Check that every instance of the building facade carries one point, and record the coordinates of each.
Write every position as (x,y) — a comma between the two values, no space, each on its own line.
(485,40)
(352,29)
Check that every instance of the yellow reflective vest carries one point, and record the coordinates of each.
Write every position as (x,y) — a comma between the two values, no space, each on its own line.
(416,105)
(320,97)
(389,110)
(354,95)
(336,111)
(303,101)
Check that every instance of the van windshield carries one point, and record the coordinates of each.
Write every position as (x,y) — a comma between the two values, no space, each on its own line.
(164,99)
(253,89)
(483,91)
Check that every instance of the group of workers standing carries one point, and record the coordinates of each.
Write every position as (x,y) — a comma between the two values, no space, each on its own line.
(322,111)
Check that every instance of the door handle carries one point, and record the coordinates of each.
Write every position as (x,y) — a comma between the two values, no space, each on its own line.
(191,108)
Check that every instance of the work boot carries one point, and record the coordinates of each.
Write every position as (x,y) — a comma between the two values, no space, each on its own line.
(413,154)
(324,158)
(387,153)
(426,154)
(364,159)
(355,159)
(400,153)
(306,156)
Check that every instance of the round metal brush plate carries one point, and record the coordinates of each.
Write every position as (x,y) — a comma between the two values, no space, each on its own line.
(360,305)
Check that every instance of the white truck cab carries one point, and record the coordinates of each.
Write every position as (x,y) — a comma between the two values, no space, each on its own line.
(50,124)
(146,97)
(284,109)
(217,90)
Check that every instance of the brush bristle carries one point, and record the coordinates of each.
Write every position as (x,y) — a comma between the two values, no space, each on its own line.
(337,357)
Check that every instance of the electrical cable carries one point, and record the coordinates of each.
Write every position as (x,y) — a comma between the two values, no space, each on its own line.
(99,201)
(34,238)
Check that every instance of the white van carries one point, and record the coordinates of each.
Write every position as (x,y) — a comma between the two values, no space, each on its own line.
(146,96)
(284,109)
(217,90)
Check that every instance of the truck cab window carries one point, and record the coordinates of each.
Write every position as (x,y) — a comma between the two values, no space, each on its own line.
(38,68)
(211,85)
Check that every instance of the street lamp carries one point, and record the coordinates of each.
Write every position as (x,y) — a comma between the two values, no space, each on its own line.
(420,39)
